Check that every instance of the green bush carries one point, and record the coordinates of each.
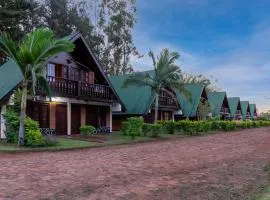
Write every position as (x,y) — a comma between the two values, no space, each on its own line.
(206,126)
(87,130)
(228,125)
(12,123)
(155,129)
(216,125)
(169,126)
(146,128)
(135,126)
(125,127)
(33,136)
(244,125)
(190,127)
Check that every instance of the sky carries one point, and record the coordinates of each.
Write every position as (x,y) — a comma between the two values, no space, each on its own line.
(226,39)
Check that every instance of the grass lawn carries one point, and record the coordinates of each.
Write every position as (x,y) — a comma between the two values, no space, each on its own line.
(63,144)
(264,196)
(80,142)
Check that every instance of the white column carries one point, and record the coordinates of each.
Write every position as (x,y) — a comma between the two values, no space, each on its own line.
(173,115)
(2,121)
(68,118)
(110,118)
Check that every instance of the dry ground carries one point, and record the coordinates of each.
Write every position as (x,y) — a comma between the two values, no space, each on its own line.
(222,166)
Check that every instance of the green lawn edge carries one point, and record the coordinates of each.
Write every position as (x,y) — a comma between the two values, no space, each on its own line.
(73,144)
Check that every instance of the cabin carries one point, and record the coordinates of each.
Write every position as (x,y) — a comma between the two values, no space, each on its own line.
(245,109)
(81,93)
(219,104)
(235,108)
(140,101)
(189,106)
(253,111)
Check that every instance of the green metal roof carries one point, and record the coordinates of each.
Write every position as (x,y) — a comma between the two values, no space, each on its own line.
(10,77)
(216,100)
(244,107)
(233,104)
(252,108)
(137,99)
(189,108)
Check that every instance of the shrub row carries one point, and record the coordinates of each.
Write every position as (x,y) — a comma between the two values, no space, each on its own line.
(134,126)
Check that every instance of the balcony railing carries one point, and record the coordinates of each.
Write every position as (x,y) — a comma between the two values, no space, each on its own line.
(224,110)
(166,101)
(238,112)
(70,88)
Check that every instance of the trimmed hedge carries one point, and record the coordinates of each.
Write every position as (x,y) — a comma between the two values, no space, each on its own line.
(134,126)
(87,130)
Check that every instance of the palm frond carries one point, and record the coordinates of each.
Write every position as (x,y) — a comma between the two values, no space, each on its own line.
(151,54)
(8,46)
(44,85)
(138,79)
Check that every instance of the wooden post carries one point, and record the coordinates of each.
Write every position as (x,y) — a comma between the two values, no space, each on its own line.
(52,115)
(68,118)
(2,121)
(83,115)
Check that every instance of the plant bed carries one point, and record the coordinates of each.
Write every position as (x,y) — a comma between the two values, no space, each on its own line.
(63,144)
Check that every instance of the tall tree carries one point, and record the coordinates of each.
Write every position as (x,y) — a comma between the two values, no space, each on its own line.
(204,109)
(117,19)
(30,55)
(166,75)
(57,17)
(19,17)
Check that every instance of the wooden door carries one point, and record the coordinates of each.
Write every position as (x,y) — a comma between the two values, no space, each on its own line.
(92,116)
(61,119)
(75,119)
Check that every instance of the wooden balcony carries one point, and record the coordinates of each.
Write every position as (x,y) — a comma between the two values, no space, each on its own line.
(167,101)
(69,88)
(224,110)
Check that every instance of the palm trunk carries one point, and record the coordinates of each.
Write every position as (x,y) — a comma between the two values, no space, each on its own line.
(22,115)
(156,107)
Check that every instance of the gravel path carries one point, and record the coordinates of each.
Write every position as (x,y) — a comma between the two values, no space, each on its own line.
(185,168)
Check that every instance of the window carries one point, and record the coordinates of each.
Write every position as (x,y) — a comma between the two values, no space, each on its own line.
(51,69)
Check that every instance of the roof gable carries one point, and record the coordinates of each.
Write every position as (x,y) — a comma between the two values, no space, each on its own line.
(216,100)
(137,99)
(10,77)
(13,69)
(233,104)
(244,107)
(189,108)
(252,108)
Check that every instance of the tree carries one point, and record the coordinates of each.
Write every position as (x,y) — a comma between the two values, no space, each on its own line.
(18,17)
(117,19)
(204,109)
(31,54)
(166,76)
(209,83)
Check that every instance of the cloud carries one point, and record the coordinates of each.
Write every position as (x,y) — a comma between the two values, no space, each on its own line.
(243,72)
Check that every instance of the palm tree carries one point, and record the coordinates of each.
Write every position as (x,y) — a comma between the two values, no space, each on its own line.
(31,55)
(166,76)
